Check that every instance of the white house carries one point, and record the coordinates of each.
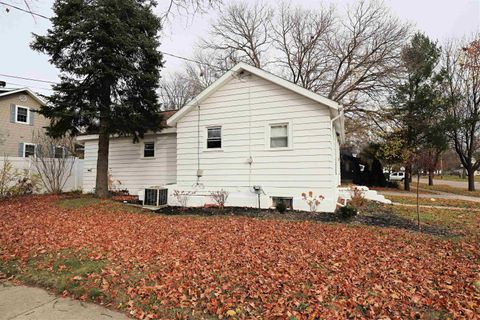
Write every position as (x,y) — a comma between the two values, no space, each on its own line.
(250,133)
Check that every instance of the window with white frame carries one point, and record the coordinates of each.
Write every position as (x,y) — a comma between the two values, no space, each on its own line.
(279,135)
(21,114)
(29,150)
(214,138)
(149,149)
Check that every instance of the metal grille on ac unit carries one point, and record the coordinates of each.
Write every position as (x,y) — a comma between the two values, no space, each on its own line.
(155,197)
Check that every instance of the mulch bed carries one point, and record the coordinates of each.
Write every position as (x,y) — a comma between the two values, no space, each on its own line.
(374,214)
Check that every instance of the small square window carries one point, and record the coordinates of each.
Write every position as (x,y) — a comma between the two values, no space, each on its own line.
(29,150)
(279,135)
(22,115)
(149,150)
(214,138)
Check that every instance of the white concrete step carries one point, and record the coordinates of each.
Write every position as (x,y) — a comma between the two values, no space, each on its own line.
(347,193)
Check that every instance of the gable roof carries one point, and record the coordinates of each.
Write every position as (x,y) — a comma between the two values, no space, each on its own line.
(335,108)
(30,93)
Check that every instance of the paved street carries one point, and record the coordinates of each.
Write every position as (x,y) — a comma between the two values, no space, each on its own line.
(456,184)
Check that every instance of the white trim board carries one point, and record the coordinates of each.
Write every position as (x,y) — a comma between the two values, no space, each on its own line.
(30,92)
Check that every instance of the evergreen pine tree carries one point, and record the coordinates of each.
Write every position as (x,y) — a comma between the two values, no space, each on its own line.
(106,51)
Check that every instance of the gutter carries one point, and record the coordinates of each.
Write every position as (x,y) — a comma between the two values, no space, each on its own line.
(340,116)
(88,137)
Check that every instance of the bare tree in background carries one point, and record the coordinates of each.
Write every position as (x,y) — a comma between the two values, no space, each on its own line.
(351,57)
(176,91)
(207,69)
(53,161)
(241,33)
(365,55)
(462,89)
(300,35)
(189,7)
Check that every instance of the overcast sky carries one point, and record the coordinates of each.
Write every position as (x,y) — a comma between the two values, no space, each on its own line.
(439,19)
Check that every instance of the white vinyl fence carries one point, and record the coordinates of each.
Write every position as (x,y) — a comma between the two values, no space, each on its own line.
(74,182)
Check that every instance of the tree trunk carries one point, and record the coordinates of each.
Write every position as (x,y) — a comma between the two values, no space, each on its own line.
(407,179)
(471,179)
(101,183)
(430,177)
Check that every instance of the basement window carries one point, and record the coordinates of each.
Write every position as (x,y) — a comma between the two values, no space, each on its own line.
(149,149)
(214,138)
(286,200)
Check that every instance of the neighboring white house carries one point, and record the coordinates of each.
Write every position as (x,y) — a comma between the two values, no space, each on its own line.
(248,130)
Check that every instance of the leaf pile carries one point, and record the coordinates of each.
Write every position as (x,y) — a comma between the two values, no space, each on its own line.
(237,267)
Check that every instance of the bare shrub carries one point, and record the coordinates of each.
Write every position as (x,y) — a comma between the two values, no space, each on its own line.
(357,200)
(8,175)
(14,182)
(182,197)
(220,197)
(312,201)
(54,160)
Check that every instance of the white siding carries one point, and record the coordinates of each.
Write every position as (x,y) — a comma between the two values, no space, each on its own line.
(244,108)
(128,168)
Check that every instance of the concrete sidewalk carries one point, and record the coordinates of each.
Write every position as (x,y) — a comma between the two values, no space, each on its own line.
(22,303)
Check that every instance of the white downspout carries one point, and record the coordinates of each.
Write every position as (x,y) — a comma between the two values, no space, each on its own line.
(334,149)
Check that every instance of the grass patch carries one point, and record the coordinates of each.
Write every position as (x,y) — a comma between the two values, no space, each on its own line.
(435,202)
(84,201)
(77,203)
(454,178)
(63,271)
(464,221)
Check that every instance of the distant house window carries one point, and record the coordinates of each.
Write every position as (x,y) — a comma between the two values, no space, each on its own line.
(59,152)
(286,200)
(22,114)
(214,138)
(279,135)
(28,150)
(149,150)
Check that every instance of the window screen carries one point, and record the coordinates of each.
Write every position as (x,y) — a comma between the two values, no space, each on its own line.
(22,114)
(29,150)
(214,138)
(279,136)
(149,150)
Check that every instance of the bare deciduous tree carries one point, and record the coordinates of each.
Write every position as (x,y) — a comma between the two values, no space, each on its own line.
(365,50)
(300,35)
(462,88)
(241,33)
(54,160)
(176,91)
(188,7)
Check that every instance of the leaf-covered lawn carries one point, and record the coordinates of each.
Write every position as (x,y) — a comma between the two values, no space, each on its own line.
(218,267)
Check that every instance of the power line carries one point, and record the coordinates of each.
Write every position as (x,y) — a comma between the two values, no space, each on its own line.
(25,78)
(26,11)
(22,85)
(165,53)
